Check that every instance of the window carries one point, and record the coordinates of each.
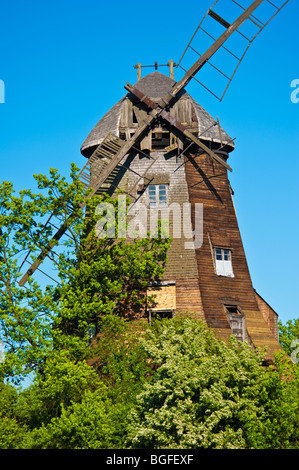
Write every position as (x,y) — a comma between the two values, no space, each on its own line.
(223,262)
(157,195)
(160,314)
(233,309)
(160,140)
(163,305)
(236,322)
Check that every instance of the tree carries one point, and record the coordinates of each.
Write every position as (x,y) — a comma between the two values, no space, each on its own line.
(93,423)
(25,314)
(79,404)
(278,424)
(173,385)
(206,394)
(13,434)
(86,406)
(45,329)
(98,276)
(289,336)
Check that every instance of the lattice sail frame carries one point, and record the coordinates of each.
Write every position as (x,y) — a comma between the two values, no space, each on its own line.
(211,13)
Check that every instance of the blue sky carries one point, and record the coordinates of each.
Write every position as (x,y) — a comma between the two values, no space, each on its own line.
(64,64)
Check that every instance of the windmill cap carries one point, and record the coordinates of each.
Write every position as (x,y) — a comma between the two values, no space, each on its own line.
(156,85)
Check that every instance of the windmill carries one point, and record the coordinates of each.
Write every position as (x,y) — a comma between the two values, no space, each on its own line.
(156,142)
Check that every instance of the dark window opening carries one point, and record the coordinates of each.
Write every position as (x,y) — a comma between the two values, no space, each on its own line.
(134,120)
(160,314)
(232,309)
(160,140)
(122,134)
(223,254)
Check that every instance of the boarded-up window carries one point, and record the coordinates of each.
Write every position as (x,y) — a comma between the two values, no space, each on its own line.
(165,300)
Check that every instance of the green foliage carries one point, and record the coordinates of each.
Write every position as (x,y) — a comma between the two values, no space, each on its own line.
(44,330)
(61,382)
(93,423)
(202,393)
(278,427)
(288,334)
(93,413)
(25,315)
(171,385)
(79,404)
(206,394)
(98,276)
(117,356)
(176,386)
(13,435)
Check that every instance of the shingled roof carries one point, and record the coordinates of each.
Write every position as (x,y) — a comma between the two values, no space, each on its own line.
(155,85)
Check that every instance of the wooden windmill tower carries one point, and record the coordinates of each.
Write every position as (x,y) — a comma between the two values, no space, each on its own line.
(165,151)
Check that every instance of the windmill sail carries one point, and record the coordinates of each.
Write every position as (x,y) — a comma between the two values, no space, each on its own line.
(252,26)
(112,150)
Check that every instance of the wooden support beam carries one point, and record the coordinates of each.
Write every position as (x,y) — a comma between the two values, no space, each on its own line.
(171,71)
(210,52)
(173,92)
(158,111)
(207,150)
(34,266)
(122,153)
(218,18)
(138,66)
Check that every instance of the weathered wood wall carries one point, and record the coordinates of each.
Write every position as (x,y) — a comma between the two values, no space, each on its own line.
(181,265)
(208,183)
(269,315)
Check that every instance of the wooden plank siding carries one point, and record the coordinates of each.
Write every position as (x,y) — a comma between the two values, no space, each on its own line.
(269,315)
(208,183)
(260,333)
(189,297)
(181,265)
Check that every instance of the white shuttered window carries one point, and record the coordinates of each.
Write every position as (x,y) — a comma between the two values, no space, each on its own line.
(223,262)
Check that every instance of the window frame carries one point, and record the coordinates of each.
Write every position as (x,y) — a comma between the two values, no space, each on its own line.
(158,203)
(160,138)
(160,314)
(235,315)
(223,266)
